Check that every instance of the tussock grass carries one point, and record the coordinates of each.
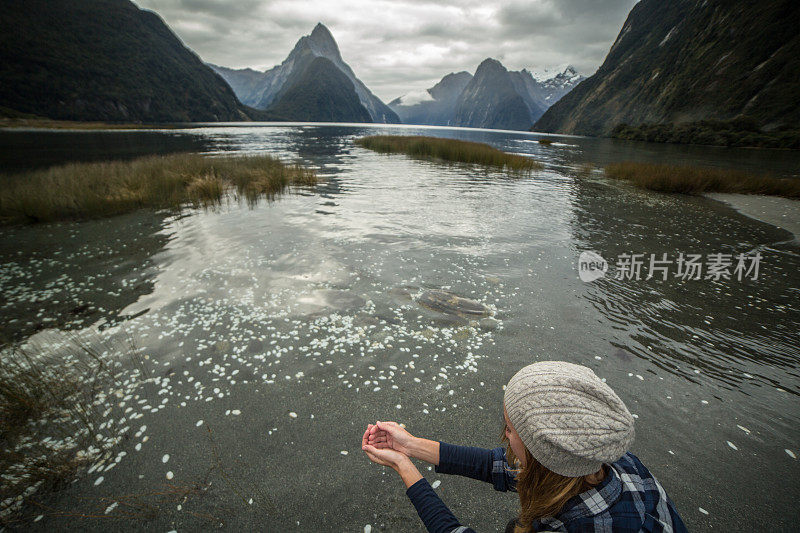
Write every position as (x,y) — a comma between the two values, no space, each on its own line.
(452,150)
(696,180)
(95,190)
(54,400)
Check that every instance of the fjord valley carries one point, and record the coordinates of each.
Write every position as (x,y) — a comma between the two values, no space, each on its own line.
(220,261)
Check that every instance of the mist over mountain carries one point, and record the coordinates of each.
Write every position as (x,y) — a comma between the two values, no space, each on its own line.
(434,106)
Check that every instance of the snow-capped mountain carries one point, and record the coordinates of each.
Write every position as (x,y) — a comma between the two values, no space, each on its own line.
(559,84)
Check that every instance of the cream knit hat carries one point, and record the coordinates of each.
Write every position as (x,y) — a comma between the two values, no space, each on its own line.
(569,420)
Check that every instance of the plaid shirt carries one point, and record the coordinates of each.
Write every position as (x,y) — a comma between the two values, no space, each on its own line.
(628,499)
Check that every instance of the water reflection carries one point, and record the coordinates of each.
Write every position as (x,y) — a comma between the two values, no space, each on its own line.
(24,150)
(71,275)
(731,330)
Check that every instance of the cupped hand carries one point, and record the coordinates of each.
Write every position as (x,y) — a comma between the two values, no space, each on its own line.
(390,435)
(385,456)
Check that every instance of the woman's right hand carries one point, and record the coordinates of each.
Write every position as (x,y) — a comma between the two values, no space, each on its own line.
(391,435)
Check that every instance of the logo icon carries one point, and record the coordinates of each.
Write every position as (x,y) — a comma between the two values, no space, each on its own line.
(591,266)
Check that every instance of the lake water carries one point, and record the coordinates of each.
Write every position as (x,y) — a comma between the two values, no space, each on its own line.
(288,327)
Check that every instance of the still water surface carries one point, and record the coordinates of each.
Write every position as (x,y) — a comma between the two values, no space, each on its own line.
(289,326)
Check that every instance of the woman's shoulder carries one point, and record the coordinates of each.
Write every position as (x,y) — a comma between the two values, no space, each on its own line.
(633,474)
(628,499)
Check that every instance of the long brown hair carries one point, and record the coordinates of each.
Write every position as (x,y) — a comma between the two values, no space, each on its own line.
(542,492)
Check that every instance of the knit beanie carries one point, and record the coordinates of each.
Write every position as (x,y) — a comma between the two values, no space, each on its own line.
(569,420)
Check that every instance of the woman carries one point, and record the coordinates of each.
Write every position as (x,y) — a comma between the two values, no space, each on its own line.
(568,436)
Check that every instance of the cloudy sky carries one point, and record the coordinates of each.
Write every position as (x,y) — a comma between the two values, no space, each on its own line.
(396,47)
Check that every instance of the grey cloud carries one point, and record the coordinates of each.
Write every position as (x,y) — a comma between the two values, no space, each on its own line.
(404,45)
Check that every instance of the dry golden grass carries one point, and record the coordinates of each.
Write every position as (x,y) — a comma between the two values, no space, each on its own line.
(451,150)
(695,180)
(94,190)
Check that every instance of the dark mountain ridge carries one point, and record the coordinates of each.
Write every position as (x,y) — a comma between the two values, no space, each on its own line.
(104,60)
(689,60)
(491,100)
(320,93)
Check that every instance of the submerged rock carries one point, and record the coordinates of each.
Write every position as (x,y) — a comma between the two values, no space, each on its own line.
(452,304)
(488,324)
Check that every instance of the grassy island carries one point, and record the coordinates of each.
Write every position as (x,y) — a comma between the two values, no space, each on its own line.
(450,150)
(93,190)
(696,180)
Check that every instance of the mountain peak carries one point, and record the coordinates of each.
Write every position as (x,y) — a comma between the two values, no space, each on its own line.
(321,35)
(321,43)
(321,32)
(489,66)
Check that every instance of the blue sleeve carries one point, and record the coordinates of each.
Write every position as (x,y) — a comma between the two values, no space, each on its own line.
(477,463)
(432,510)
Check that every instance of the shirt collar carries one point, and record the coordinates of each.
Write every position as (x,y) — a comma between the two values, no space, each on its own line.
(595,500)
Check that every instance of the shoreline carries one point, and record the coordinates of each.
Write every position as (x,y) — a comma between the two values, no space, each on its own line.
(778,211)
(36,123)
